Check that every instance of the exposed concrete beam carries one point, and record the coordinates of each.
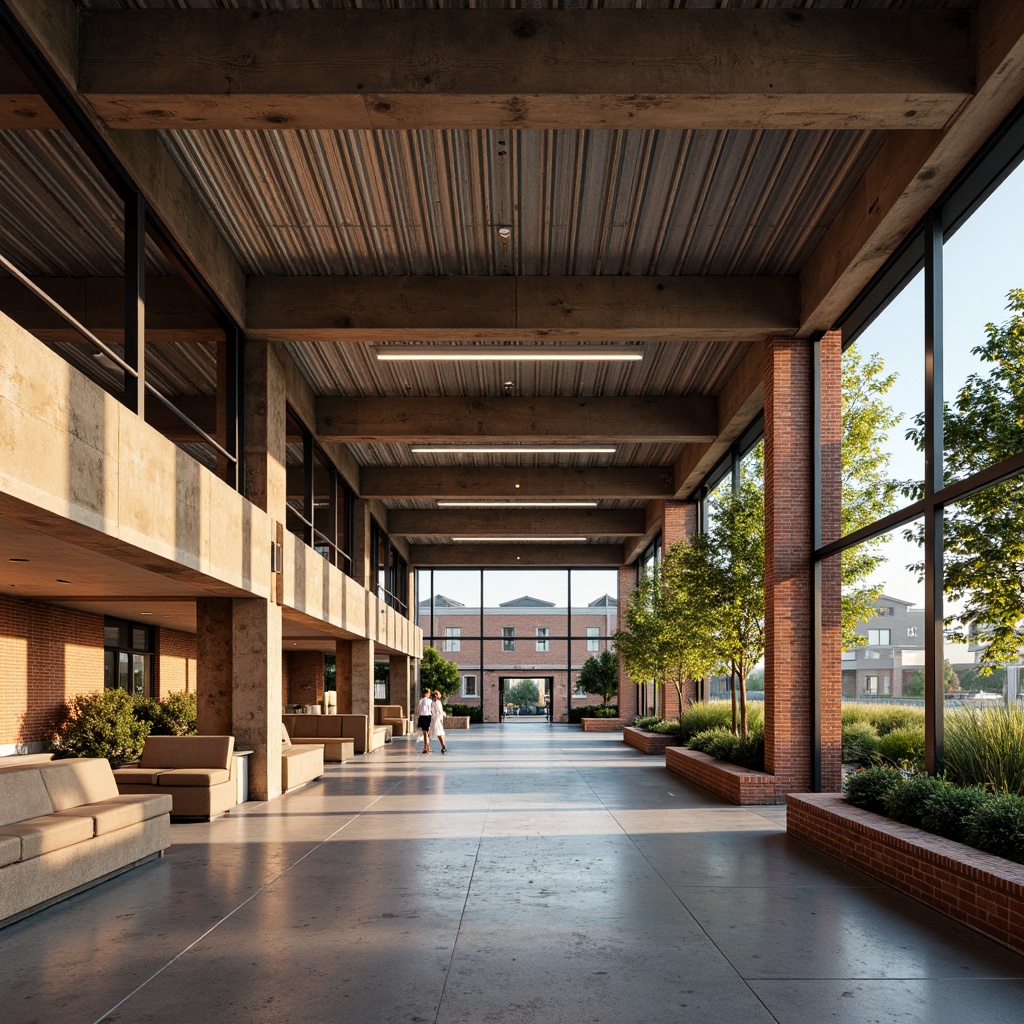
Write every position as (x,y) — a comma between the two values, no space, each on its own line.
(21,106)
(446,309)
(412,69)
(53,27)
(516,522)
(910,172)
(739,401)
(554,420)
(561,555)
(173,310)
(533,483)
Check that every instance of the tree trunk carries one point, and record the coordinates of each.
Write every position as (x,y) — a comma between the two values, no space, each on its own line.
(742,676)
(732,693)
(679,692)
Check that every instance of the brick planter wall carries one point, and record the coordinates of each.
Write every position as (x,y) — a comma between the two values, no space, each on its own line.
(985,893)
(739,785)
(646,742)
(601,724)
(456,722)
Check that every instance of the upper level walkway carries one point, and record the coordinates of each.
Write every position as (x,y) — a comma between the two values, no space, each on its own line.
(534,874)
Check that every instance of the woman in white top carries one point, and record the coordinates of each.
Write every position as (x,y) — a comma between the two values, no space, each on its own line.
(437,721)
(424,713)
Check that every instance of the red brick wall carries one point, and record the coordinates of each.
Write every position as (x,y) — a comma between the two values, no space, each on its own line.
(627,689)
(985,893)
(47,655)
(739,785)
(679,522)
(304,677)
(175,662)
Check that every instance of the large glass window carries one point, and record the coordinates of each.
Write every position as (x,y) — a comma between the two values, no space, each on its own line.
(452,642)
(128,657)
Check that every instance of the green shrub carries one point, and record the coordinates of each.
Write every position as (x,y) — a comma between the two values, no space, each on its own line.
(884,718)
(997,826)
(868,788)
(985,747)
(102,725)
(860,739)
(717,714)
(722,744)
(473,712)
(906,801)
(592,711)
(175,715)
(646,721)
(669,727)
(903,748)
(947,809)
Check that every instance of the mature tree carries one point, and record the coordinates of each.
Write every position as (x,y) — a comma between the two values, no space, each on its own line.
(523,694)
(983,534)
(437,673)
(868,493)
(600,676)
(914,686)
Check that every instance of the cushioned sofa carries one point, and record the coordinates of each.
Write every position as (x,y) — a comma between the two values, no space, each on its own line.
(391,714)
(367,737)
(325,730)
(300,763)
(64,827)
(197,771)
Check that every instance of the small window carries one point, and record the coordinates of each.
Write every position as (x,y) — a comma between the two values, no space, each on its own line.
(879,637)
(886,684)
(593,641)
(543,643)
(452,642)
(508,638)
(886,611)
(577,689)
(469,686)
(871,684)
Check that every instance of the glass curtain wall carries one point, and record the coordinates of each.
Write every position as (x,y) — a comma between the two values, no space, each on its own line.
(932,500)
(517,634)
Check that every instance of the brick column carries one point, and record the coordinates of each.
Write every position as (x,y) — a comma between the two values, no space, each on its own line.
(627,689)
(401,679)
(678,524)
(789,651)
(343,675)
(305,677)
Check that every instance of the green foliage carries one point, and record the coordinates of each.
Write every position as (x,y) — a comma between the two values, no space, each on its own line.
(102,725)
(474,713)
(906,802)
(985,747)
(997,826)
(983,539)
(914,686)
(576,715)
(600,676)
(903,748)
(175,715)
(884,718)
(868,789)
(860,740)
(646,721)
(974,679)
(704,715)
(524,693)
(868,492)
(437,673)
(745,751)
(947,809)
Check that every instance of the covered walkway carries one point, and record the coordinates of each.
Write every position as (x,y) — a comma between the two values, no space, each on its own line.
(534,874)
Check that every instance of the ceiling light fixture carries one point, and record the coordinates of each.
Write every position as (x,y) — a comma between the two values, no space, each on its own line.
(492,354)
(517,504)
(17,559)
(490,449)
(522,540)
(65,581)
(504,232)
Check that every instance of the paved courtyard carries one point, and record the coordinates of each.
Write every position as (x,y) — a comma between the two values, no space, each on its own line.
(534,874)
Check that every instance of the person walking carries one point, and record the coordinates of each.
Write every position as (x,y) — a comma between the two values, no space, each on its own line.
(424,712)
(437,721)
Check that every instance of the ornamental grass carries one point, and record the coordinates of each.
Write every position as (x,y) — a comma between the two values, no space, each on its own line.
(985,747)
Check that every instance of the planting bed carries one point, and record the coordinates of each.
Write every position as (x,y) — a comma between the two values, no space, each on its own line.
(740,785)
(646,742)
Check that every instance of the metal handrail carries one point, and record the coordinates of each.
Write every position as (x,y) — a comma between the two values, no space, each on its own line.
(57,308)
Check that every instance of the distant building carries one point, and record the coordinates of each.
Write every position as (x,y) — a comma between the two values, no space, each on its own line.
(498,646)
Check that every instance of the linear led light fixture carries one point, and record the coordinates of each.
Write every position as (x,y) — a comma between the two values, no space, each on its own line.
(492,354)
(523,540)
(490,449)
(517,504)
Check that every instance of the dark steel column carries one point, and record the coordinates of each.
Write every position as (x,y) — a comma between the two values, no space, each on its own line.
(135,302)
(934,662)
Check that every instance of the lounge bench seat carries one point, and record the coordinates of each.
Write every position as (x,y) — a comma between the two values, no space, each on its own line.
(64,828)
(198,772)
(392,714)
(299,764)
(324,730)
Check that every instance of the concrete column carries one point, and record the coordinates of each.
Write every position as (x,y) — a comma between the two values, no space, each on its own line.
(214,671)
(789,650)
(362,677)
(401,681)
(238,646)
(343,675)
(265,435)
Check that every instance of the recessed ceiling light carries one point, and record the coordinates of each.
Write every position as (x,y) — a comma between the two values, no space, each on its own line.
(504,232)
(145,613)
(64,581)
(492,354)
(517,504)
(522,540)
(17,559)
(519,449)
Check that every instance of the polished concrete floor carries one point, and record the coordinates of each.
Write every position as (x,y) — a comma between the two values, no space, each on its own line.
(534,874)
